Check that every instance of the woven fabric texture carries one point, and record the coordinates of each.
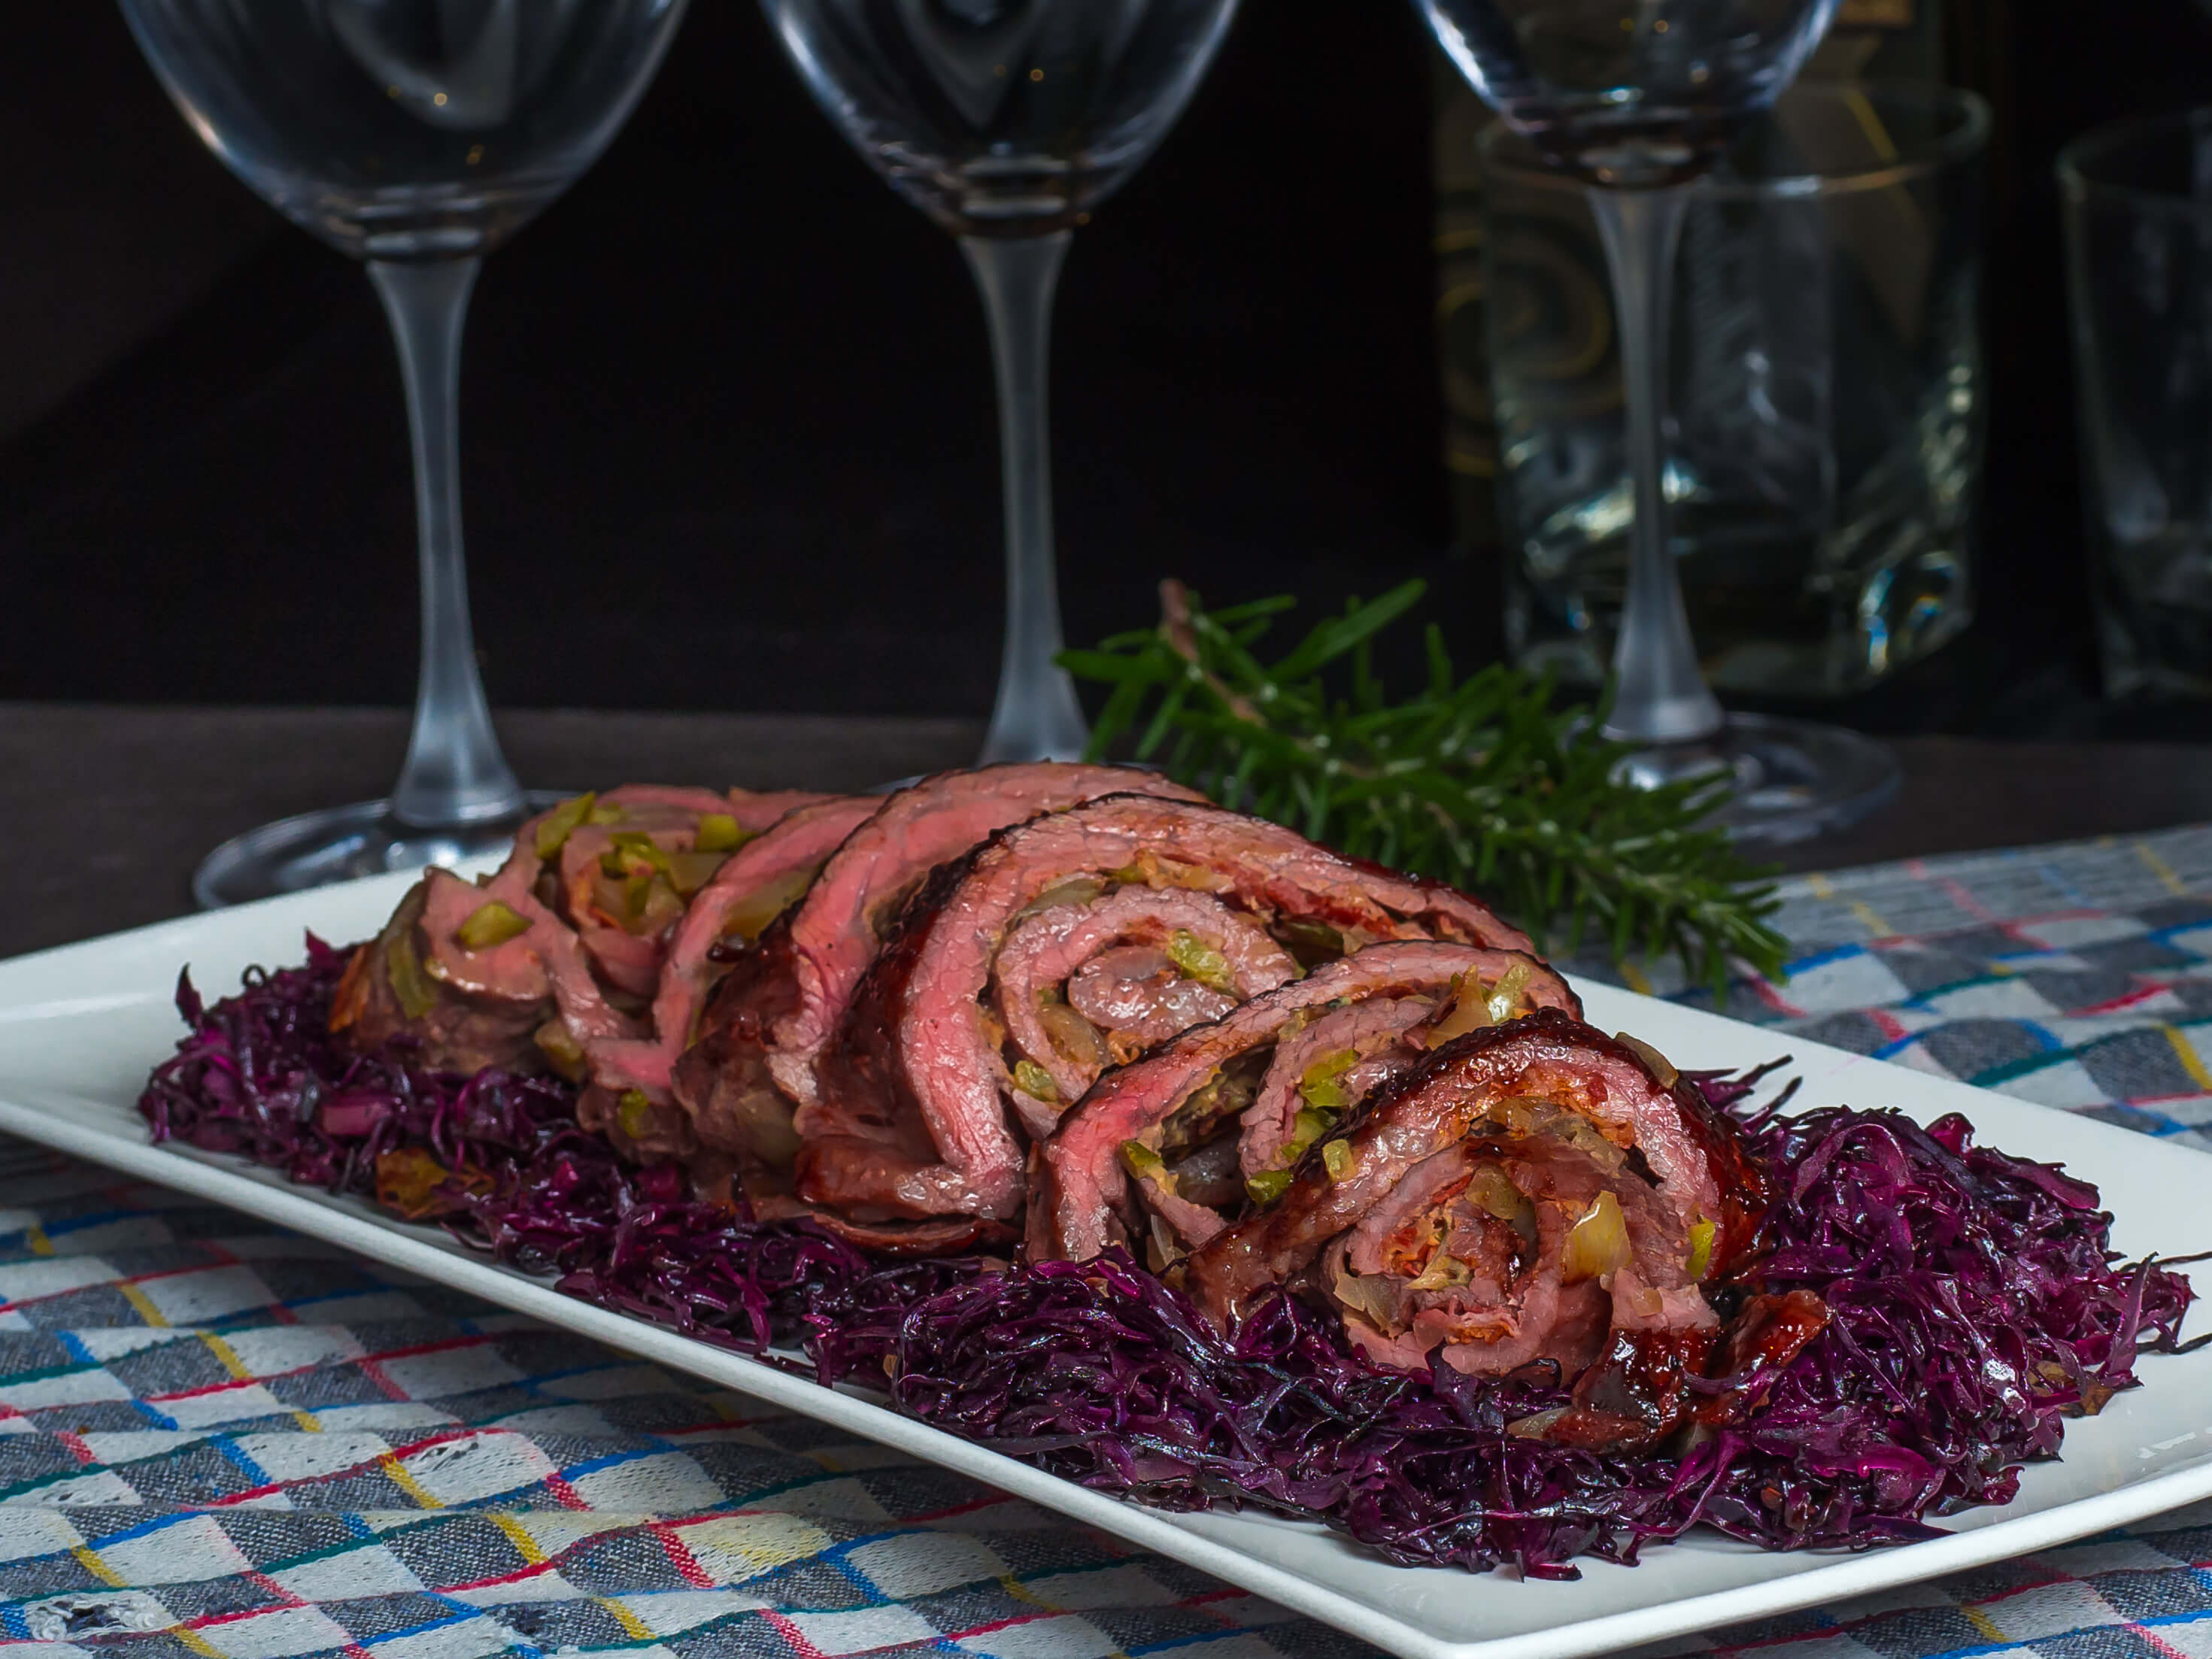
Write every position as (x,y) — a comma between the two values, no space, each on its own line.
(216,1438)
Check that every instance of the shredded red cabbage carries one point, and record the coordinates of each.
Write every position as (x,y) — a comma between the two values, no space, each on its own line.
(1975,1306)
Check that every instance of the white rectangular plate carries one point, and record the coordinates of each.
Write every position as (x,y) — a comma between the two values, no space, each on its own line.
(81,1026)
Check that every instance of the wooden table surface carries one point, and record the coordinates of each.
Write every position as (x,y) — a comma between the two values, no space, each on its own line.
(115,806)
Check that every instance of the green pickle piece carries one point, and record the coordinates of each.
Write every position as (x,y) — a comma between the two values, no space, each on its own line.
(1701,1248)
(1268,1186)
(402,969)
(1195,959)
(1321,1084)
(634,1112)
(718,832)
(491,924)
(1142,1162)
(1032,1080)
(562,822)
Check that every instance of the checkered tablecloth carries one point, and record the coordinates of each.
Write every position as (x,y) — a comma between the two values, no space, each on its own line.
(216,1438)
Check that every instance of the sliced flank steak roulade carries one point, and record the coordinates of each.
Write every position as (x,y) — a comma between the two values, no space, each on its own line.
(1529,1192)
(753,1062)
(498,974)
(1060,946)
(1162,1154)
(630,1094)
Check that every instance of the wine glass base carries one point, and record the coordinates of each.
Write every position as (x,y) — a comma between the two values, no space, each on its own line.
(1794,778)
(340,843)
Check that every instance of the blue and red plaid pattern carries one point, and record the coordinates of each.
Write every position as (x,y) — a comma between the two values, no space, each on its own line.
(216,1438)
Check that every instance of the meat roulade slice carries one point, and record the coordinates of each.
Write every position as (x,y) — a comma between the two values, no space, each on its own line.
(765,1030)
(915,1090)
(1533,1191)
(838,930)
(1162,1154)
(631,1093)
(496,974)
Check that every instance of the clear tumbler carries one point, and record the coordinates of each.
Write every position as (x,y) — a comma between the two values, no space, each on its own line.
(1824,440)
(2138,203)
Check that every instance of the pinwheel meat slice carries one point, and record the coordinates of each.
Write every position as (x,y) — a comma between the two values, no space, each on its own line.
(631,1093)
(1529,1192)
(913,1103)
(494,974)
(628,873)
(836,932)
(1162,1153)
(1093,981)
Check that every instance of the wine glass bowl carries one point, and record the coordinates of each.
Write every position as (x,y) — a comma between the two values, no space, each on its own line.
(1633,93)
(1003,117)
(1008,121)
(406,131)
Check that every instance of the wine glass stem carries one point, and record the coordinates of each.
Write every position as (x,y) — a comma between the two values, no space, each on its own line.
(1036,716)
(454,773)
(1660,695)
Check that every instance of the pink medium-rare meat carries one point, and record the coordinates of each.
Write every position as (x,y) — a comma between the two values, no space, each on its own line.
(837,931)
(494,972)
(1082,1195)
(1463,1213)
(915,1043)
(1371,1035)
(760,1030)
(1120,981)
(631,1093)
(628,874)
(1696,1159)
(468,1000)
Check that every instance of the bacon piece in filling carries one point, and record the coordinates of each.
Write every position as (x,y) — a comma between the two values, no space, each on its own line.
(914,1113)
(1163,1153)
(1531,1191)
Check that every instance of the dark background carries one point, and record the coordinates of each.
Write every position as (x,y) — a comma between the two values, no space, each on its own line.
(728,434)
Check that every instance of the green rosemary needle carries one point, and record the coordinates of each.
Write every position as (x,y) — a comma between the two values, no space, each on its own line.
(1481,781)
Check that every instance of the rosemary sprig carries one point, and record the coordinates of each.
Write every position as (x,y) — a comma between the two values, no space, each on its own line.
(1479,781)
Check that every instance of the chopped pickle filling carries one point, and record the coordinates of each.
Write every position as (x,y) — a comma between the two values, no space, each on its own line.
(1701,1248)
(1082,890)
(634,1113)
(1339,1160)
(559,1046)
(1310,943)
(1662,1068)
(1195,959)
(490,925)
(1321,1085)
(1504,1001)
(718,832)
(562,822)
(1268,1185)
(749,918)
(632,853)
(1597,1244)
(403,971)
(1145,1165)
(1075,1038)
(689,872)
(1032,1080)
(1466,1009)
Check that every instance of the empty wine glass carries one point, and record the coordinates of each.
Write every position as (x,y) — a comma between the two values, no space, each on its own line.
(1008,121)
(415,136)
(1639,98)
